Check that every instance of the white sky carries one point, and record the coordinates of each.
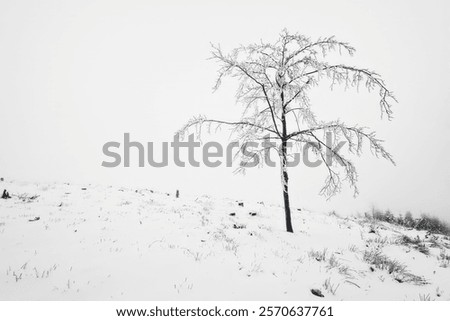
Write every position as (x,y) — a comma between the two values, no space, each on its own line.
(76,74)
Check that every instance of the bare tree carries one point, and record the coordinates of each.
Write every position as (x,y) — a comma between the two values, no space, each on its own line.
(274,81)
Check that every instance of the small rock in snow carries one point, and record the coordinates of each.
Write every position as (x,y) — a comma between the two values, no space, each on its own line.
(317,292)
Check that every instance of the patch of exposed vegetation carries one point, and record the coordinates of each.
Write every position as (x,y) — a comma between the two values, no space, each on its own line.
(415,243)
(393,267)
(331,260)
(26,198)
(444,259)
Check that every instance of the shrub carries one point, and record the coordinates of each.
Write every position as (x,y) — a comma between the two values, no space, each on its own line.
(408,221)
(432,225)
(425,223)
(386,216)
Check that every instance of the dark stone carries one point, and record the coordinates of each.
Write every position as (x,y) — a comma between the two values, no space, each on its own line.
(317,292)
(5,194)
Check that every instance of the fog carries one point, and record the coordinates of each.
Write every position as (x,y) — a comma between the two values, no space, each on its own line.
(75,75)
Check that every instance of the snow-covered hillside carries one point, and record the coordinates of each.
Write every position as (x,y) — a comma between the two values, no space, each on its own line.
(70,242)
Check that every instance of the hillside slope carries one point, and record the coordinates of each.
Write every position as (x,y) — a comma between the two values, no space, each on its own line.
(69,242)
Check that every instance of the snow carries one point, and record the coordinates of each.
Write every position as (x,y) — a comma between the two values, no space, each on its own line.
(107,243)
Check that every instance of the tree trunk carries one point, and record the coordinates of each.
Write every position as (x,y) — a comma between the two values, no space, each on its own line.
(285,186)
(284,173)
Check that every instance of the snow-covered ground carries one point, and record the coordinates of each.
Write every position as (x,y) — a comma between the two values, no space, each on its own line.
(90,242)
